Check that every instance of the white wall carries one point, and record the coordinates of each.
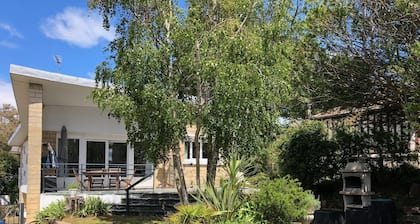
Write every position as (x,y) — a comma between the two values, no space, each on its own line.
(80,120)
(109,198)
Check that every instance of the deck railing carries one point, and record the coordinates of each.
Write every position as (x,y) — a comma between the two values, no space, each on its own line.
(59,176)
(127,192)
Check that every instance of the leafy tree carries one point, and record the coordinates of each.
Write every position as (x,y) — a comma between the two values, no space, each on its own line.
(366,53)
(224,66)
(9,163)
(141,87)
(8,122)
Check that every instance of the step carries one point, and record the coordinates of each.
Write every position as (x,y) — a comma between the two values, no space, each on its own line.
(153,203)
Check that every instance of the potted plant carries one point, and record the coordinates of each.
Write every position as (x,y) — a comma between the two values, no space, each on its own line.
(73,188)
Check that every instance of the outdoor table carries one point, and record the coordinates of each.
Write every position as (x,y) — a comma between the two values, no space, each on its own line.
(101,173)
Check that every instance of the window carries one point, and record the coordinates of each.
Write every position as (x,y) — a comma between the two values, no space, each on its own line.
(189,150)
(118,153)
(72,155)
(95,155)
(73,151)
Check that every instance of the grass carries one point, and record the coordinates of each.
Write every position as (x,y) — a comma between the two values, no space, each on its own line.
(112,219)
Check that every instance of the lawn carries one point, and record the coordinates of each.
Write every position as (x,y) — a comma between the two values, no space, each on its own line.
(112,219)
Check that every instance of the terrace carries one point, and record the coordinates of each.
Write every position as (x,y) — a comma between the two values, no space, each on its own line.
(58,177)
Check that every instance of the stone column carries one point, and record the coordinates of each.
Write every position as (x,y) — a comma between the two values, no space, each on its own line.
(32,202)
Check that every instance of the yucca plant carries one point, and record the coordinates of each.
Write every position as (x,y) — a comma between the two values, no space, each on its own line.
(228,198)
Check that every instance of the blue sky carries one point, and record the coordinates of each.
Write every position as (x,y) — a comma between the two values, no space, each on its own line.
(32,33)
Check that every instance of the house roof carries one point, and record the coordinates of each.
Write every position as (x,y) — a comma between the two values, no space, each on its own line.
(343,112)
(58,90)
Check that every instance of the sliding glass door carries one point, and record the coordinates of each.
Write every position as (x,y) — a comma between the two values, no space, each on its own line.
(117,155)
(95,154)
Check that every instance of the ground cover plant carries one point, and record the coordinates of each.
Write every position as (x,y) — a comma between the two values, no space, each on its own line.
(54,212)
(92,206)
(111,219)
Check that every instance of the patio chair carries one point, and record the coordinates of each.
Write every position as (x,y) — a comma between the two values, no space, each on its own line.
(112,179)
(78,180)
(127,181)
(97,181)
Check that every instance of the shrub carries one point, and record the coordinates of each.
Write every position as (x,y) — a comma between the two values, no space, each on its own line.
(94,206)
(9,165)
(54,211)
(193,213)
(283,200)
(247,214)
(307,154)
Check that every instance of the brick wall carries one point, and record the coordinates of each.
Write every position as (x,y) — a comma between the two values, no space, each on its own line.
(32,202)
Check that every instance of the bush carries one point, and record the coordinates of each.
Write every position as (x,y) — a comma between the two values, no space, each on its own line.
(54,211)
(247,214)
(283,200)
(9,165)
(308,155)
(193,213)
(94,206)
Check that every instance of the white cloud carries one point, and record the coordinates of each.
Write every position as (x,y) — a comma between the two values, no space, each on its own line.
(8,44)
(6,94)
(91,75)
(78,27)
(11,30)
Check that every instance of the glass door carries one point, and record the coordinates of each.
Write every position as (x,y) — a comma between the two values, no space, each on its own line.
(95,155)
(117,155)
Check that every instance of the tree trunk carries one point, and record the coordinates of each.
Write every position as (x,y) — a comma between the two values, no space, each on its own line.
(179,179)
(197,154)
(199,107)
(213,155)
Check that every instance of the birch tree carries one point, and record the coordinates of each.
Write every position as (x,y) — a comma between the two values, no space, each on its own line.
(223,66)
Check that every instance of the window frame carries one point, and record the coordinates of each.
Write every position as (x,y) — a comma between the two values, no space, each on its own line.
(188,156)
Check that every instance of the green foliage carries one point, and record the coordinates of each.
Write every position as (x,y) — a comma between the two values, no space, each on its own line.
(394,182)
(283,200)
(73,186)
(9,165)
(228,198)
(307,154)
(55,211)
(254,181)
(365,54)
(193,214)
(9,120)
(94,206)
(223,65)
(247,214)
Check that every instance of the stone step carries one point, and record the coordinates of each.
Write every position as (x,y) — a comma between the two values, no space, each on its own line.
(159,204)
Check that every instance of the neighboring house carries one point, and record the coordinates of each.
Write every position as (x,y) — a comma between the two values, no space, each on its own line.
(52,106)
(383,121)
